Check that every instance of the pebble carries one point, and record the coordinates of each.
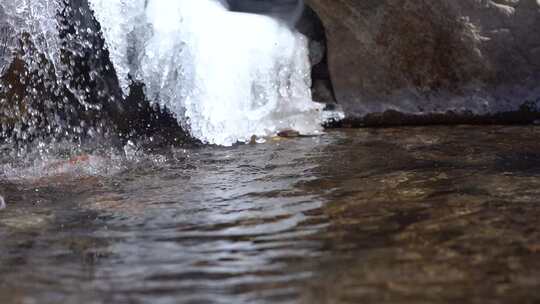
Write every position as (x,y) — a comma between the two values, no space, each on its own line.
(2,203)
(288,133)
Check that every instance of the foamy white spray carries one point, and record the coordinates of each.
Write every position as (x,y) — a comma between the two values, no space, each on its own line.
(227,76)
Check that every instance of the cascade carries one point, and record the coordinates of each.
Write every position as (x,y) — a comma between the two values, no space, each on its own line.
(225,75)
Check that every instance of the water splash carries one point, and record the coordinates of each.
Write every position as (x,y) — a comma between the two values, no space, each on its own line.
(53,71)
(226,76)
(38,19)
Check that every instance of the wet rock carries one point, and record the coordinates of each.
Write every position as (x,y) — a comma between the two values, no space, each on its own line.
(288,133)
(311,26)
(41,98)
(80,99)
(420,58)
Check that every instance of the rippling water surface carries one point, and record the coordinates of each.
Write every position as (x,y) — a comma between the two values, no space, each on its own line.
(405,215)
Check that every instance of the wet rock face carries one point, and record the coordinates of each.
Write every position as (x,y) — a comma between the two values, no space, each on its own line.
(424,56)
(82,102)
(311,26)
(41,100)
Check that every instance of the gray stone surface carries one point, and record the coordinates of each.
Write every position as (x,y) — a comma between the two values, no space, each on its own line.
(432,56)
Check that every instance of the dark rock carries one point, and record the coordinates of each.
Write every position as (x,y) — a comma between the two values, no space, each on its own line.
(85,100)
(312,27)
(288,133)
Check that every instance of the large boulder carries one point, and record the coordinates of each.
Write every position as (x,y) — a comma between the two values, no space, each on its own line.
(423,57)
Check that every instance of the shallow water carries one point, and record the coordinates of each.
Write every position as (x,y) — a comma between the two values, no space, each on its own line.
(396,215)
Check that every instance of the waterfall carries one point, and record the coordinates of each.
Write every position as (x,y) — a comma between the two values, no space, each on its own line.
(226,76)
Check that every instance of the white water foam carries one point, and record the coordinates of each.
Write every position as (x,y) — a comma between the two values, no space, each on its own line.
(226,76)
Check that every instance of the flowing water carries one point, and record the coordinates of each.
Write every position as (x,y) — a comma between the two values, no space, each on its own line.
(397,215)
(225,76)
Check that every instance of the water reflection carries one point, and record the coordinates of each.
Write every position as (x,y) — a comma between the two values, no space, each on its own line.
(385,215)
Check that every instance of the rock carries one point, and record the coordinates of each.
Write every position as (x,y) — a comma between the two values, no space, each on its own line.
(420,57)
(80,99)
(2,203)
(288,133)
(253,140)
(68,98)
(311,26)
